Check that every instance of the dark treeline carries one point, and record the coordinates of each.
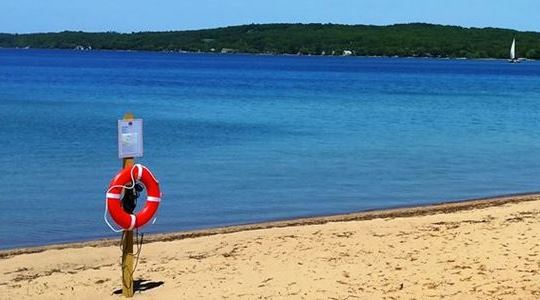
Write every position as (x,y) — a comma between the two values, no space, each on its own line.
(328,39)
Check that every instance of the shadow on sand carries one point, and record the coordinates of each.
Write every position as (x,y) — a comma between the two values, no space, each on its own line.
(142,285)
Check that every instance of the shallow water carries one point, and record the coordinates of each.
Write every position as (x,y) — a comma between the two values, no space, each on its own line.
(237,139)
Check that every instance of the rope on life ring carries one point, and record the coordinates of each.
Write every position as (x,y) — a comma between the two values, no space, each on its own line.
(113,205)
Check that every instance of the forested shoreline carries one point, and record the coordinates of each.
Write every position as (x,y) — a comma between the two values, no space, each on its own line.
(415,39)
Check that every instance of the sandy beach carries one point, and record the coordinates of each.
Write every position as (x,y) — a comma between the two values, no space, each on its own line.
(485,249)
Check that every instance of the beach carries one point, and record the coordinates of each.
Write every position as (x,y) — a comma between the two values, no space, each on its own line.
(483,249)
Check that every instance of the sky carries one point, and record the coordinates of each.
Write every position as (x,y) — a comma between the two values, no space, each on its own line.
(24,16)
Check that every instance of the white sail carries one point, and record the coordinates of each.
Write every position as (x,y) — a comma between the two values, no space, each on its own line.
(513,50)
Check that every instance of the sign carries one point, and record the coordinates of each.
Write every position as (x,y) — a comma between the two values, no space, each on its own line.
(130,138)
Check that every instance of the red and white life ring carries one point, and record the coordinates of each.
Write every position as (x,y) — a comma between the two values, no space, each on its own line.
(127,178)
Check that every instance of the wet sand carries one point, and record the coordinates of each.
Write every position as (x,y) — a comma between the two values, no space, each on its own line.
(482,249)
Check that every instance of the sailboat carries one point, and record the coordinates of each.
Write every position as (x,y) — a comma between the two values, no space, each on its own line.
(513,58)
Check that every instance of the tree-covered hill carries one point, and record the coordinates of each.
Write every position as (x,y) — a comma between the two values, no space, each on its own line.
(328,39)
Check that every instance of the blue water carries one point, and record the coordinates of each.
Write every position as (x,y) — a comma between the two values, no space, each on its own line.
(237,139)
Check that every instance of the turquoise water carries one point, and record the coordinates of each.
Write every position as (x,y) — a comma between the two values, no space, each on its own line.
(238,139)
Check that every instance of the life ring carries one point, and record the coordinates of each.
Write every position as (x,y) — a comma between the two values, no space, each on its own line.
(127,178)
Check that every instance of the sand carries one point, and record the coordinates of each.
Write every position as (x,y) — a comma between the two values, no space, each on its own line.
(485,249)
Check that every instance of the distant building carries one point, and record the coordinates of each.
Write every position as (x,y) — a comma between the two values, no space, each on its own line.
(347,52)
(228,50)
(82,48)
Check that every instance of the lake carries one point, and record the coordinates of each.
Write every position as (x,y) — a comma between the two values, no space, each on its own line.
(238,139)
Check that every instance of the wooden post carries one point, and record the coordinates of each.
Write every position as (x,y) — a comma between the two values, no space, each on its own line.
(127,241)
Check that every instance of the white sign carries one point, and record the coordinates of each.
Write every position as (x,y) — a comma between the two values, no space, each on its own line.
(130,138)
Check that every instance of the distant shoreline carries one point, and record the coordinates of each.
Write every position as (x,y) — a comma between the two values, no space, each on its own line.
(396,212)
(403,40)
(265,54)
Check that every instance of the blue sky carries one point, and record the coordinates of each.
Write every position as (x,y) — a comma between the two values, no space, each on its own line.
(141,15)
